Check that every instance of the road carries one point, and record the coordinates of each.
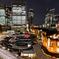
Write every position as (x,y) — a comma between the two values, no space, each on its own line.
(39,53)
(6,54)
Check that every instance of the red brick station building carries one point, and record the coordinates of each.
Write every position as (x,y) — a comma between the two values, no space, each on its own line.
(50,39)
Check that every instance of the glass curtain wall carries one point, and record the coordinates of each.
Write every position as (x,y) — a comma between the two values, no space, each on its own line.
(19,15)
(2,16)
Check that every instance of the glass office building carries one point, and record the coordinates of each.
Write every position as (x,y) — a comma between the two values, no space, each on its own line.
(2,15)
(50,18)
(31,18)
(8,15)
(19,13)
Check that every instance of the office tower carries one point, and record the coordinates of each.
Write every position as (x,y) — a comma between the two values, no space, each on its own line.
(50,11)
(30,18)
(10,19)
(19,14)
(47,11)
(8,12)
(50,17)
(2,15)
(57,19)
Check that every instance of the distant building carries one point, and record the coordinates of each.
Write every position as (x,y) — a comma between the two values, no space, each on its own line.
(19,14)
(10,19)
(50,21)
(57,18)
(30,18)
(8,15)
(2,15)
(50,11)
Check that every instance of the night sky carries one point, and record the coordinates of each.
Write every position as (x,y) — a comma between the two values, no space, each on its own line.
(39,7)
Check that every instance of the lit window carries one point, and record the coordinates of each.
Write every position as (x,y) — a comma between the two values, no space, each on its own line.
(58,50)
(23,12)
(19,5)
(51,18)
(16,10)
(2,12)
(58,44)
(51,48)
(24,18)
(48,42)
(2,20)
(30,55)
(23,7)
(51,43)
(25,54)
(47,24)
(50,36)
(23,22)
(19,22)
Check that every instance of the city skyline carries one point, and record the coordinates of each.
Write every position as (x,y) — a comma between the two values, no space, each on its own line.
(39,8)
(29,29)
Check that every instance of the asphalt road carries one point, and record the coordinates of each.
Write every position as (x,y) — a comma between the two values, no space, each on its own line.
(6,54)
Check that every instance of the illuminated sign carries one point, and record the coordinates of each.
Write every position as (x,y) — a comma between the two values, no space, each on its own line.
(26,36)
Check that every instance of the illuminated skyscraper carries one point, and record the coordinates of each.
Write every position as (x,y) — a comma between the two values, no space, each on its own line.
(57,19)
(19,13)
(31,18)
(50,11)
(50,17)
(8,12)
(2,15)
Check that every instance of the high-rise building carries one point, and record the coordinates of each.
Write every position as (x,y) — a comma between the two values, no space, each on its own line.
(57,19)
(47,11)
(8,12)
(50,18)
(10,19)
(19,14)
(2,15)
(30,18)
(50,11)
